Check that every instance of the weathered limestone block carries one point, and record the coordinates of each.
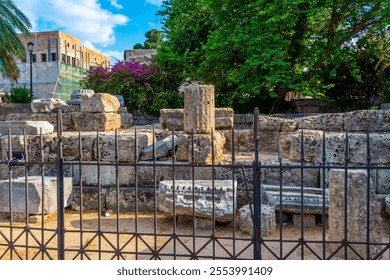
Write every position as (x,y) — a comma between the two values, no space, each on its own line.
(31,127)
(91,175)
(202,147)
(126,146)
(172,115)
(357,214)
(335,143)
(96,121)
(372,120)
(199,113)
(291,199)
(48,105)
(268,222)
(275,124)
(99,103)
(126,117)
(162,147)
(327,122)
(36,199)
(48,117)
(221,201)
(173,119)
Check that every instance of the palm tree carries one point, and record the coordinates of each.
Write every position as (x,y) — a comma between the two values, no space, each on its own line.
(12,20)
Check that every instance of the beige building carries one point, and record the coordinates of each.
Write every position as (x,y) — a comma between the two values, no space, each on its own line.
(59,61)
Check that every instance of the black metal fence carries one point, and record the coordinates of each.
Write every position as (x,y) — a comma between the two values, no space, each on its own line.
(109,231)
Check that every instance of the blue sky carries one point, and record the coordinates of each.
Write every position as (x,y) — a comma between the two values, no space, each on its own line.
(108,26)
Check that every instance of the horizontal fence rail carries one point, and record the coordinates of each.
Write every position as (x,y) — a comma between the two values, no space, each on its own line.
(65,198)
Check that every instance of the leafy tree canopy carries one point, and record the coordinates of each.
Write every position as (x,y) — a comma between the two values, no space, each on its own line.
(259,49)
(11,21)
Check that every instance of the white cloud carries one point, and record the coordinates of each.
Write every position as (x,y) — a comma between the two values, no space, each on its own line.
(155,2)
(115,4)
(86,19)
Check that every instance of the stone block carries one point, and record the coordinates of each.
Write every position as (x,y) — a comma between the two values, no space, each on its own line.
(91,175)
(308,220)
(48,105)
(268,222)
(99,103)
(39,195)
(199,110)
(126,117)
(162,148)
(31,127)
(184,196)
(291,199)
(203,152)
(372,120)
(357,213)
(95,121)
(172,114)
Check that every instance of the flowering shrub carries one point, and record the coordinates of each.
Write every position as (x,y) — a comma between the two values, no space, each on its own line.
(144,88)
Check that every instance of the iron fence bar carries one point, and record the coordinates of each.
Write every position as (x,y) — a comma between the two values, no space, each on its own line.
(368,195)
(213,189)
(26,158)
(136,192)
(174,235)
(280,159)
(42,248)
(194,255)
(81,223)
(10,198)
(155,255)
(302,159)
(99,183)
(117,251)
(256,192)
(346,162)
(323,218)
(60,191)
(233,158)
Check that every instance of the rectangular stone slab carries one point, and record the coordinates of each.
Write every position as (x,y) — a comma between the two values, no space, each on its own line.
(199,194)
(31,127)
(291,199)
(35,198)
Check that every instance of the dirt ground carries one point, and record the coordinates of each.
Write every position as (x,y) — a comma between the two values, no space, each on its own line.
(84,240)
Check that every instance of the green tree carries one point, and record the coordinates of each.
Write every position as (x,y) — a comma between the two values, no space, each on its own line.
(253,50)
(153,39)
(11,20)
(138,46)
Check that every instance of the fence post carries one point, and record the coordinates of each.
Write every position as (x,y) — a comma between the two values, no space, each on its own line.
(60,192)
(256,191)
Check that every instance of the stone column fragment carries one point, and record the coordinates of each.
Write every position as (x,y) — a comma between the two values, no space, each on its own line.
(199,109)
(357,213)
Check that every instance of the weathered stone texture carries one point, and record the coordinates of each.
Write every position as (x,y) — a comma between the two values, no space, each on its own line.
(31,127)
(48,105)
(202,147)
(99,103)
(199,115)
(96,121)
(38,195)
(218,203)
(162,148)
(268,222)
(357,214)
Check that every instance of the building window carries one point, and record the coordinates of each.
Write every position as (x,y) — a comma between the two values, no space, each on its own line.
(68,59)
(53,57)
(43,57)
(34,57)
(63,59)
(73,61)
